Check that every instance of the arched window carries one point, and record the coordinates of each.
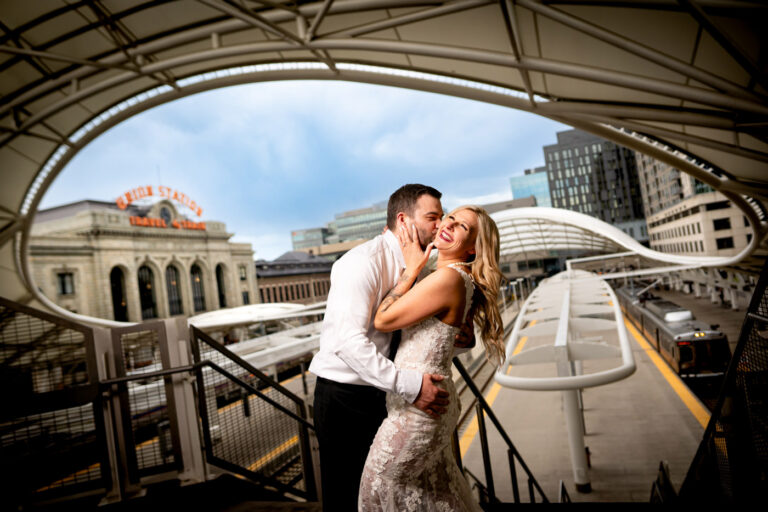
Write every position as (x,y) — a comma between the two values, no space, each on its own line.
(119,302)
(147,293)
(174,290)
(198,290)
(220,286)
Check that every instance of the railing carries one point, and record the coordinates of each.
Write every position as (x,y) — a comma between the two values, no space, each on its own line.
(282,476)
(731,464)
(104,413)
(52,440)
(266,440)
(488,489)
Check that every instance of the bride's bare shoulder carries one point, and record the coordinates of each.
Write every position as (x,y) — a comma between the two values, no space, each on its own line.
(446,277)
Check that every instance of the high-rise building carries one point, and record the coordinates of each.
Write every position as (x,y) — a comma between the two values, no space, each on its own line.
(364,223)
(312,237)
(686,216)
(360,224)
(533,182)
(597,177)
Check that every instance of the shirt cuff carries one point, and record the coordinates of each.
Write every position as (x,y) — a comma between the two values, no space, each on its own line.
(409,384)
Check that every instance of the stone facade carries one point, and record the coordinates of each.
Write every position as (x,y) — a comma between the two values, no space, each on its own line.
(84,253)
(295,277)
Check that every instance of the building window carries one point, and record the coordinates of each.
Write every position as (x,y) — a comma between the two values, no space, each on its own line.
(66,283)
(720,224)
(220,285)
(198,290)
(119,303)
(174,290)
(701,246)
(147,293)
(246,298)
(725,243)
(261,295)
(243,273)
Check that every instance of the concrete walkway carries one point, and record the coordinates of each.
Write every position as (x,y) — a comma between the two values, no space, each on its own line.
(631,426)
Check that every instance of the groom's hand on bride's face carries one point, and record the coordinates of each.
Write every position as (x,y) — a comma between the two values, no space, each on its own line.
(432,399)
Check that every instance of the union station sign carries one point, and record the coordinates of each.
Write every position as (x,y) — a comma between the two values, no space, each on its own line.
(162,192)
(165,218)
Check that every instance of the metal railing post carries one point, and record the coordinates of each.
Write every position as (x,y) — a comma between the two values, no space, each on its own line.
(486,453)
(513,475)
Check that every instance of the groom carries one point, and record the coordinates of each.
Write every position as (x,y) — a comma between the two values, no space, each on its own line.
(353,370)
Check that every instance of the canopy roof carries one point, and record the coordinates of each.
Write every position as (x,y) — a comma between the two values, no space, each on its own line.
(676,79)
(526,233)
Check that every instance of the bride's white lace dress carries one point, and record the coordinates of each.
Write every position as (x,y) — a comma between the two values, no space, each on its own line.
(411,465)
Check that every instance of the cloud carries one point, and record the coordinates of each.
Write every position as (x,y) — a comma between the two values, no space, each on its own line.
(272,157)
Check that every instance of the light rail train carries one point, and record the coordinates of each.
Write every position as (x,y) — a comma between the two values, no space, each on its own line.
(691,347)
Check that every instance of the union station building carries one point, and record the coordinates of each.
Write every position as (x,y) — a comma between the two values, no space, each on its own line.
(127,261)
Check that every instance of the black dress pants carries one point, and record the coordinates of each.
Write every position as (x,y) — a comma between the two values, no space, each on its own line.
(347,417)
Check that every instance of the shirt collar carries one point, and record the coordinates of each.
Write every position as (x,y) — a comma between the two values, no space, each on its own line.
(394,246)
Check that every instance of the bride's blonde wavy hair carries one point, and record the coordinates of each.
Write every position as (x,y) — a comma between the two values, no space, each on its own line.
(487,276)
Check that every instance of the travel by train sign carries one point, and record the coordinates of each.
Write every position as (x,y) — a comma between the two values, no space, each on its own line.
(160,192)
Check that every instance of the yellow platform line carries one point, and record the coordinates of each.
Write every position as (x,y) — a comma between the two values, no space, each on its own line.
(471,432)
(277,451)
(251,397)
(59,483)
(689,399)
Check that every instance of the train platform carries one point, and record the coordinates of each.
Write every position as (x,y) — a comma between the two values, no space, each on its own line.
(631,426)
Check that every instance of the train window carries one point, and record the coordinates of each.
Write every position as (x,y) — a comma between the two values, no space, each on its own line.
(686,354)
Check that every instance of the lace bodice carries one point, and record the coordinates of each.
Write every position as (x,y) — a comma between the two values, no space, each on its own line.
(410,466)
(419,349)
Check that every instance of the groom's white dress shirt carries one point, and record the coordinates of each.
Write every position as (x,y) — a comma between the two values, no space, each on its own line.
(352,351)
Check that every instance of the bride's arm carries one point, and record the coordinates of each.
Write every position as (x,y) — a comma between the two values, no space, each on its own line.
(403,306)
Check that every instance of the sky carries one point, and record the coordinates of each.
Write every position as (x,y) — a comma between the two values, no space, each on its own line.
(270,158)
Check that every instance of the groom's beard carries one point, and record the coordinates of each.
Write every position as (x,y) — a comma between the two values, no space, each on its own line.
(425,237)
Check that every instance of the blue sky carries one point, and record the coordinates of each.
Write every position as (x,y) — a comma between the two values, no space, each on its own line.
(272,157)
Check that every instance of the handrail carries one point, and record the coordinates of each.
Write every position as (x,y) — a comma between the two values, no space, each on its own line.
(192,368)
(484,407)
(559,383)
(200,335)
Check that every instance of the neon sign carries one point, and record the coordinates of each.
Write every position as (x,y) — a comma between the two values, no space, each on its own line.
(163,192)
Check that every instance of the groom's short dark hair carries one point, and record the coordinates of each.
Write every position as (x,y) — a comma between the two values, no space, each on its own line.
(404,200)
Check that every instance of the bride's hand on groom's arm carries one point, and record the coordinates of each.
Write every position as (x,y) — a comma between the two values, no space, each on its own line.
(432,399)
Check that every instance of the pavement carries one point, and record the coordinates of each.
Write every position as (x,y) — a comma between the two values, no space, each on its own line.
(631,425)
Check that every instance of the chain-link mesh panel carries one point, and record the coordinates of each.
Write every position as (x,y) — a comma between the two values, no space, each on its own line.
(248,431)
(731,464)
(147,402)
(50,439)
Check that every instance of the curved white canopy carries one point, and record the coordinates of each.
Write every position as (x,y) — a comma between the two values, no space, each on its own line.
(687,73)
(526,230)
(253,313)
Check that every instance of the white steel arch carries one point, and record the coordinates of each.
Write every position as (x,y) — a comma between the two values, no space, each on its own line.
(673,79)
(538,228)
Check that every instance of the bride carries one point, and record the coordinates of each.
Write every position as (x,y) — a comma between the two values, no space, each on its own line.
(410,465)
